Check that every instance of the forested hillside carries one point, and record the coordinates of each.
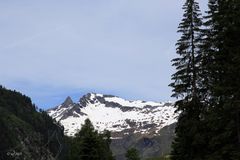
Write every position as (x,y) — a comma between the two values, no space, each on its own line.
(26,133)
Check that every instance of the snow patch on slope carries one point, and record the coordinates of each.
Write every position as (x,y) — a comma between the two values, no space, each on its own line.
(137,103)
(128,116)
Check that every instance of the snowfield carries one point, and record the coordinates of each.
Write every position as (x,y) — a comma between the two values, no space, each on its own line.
(114,114)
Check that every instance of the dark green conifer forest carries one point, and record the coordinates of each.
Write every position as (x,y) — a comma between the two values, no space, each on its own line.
(26,133)
(206,82)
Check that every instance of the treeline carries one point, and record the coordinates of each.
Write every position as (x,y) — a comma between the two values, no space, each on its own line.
(207,82)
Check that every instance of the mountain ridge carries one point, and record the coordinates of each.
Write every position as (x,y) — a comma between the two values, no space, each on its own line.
(146,125)
(113,113)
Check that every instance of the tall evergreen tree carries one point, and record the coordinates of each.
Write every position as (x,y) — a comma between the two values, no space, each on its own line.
(207,81)
(88,144)
(208,48)
(187,85)
(186,79)
(222,47)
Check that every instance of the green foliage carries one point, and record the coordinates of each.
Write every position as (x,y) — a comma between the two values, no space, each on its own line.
(88,144)
(187,84)
(222,116)
(209,125)
(132,154)
(186,78)
(33,134)
(160,158)
(37,136)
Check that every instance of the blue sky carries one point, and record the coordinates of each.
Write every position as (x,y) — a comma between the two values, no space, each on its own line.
(50,49)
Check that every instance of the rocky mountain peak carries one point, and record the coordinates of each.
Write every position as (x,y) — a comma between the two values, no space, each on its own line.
(131,122)
(68,101)
(113,113)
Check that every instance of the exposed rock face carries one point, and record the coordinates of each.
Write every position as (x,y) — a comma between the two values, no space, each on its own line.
(147,145)
(132,123)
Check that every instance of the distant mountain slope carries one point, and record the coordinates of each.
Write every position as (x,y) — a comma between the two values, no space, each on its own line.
(114,114)
(132,123)
(26,133)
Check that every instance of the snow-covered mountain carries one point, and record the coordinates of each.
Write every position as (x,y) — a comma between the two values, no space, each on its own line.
(120,116)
